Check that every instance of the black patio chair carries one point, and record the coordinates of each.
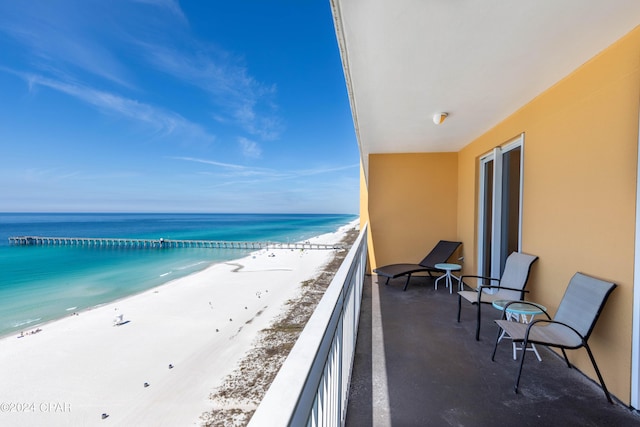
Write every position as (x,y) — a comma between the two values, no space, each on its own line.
(575,319)
(509,287)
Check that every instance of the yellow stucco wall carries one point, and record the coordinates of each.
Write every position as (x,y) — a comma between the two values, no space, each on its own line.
(580,159)
(579,196)
(412,204)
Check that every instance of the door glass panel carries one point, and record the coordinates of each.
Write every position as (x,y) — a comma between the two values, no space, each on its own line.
(488,218)
(510,218)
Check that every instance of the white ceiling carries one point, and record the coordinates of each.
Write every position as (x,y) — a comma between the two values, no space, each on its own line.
(478,60)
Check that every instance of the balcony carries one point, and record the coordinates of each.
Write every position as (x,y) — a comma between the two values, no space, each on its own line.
(415,366)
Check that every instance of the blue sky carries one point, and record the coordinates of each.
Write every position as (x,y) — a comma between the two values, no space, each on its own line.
(167,106)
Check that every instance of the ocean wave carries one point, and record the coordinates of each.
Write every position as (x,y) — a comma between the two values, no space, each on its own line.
(191,265)
(165,274)
(25,322)
(71,308)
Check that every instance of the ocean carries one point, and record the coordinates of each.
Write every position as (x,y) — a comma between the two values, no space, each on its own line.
(43,283)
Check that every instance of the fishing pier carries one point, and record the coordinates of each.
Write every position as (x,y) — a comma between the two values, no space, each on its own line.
(162,243)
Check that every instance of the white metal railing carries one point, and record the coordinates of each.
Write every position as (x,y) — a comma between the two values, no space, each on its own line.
(312,387)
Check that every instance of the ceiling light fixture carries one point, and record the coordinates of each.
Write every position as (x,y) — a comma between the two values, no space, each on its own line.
(438,118)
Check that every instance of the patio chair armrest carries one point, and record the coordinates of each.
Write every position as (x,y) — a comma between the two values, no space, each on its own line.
(549,321)
(477,277)
(480,277)
(506,288)
(481,287)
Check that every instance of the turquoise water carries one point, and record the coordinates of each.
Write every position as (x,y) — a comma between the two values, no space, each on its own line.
(40,283)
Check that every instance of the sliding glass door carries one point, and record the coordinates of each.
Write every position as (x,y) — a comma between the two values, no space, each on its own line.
(500,210)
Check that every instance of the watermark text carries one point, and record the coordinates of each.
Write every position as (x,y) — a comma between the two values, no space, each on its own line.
(48,407)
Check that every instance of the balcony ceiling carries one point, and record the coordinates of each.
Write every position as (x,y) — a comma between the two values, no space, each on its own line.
(480,61)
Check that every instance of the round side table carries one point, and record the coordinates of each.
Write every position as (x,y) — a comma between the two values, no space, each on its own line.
(520,312)
(448,268)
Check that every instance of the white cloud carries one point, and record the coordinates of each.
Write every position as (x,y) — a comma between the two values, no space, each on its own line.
(84,40)
(211,162)
(264,174)
(240,97)
(170,5)
(160,121)
(323,170)
(250,148)
(57,37)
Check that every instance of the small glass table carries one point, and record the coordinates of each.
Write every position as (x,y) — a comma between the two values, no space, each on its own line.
(448,268)
(520,312)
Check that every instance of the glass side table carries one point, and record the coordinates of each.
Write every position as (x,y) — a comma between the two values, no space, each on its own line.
(448,268)
(519,312)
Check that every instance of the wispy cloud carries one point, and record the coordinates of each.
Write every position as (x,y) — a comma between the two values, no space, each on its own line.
(49,175)
(160,121)
(211,162)
(250,148)
(60,37)
(171,6)
(271,174)
(240,98)
(324,170)
(89,40)
(234,171)
(60,175)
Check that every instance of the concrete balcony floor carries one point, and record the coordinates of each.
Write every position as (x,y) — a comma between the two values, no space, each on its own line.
(416,366)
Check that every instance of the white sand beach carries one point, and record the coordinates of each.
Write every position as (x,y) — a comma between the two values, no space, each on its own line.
(80,367)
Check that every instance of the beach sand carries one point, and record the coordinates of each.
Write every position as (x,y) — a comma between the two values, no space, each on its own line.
(176,344)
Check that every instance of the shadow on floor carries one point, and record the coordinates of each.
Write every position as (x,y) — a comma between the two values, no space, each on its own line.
(416,366)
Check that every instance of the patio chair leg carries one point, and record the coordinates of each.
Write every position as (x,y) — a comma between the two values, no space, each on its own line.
(566,359)
(407,282)
(493,356)
(524,346)
(478,325)
(593,361)
(459,306)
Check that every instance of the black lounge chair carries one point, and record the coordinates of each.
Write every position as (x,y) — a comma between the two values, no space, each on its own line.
(439,254)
